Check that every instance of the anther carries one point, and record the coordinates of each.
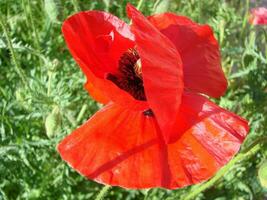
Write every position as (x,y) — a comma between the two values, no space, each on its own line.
(129,75)
(138,68)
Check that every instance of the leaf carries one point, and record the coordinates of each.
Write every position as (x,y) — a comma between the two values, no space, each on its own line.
(6,149)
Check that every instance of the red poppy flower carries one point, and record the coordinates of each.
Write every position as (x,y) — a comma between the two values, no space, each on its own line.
(156,129)
(258,16)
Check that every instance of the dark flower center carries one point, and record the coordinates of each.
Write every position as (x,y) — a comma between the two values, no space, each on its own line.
(129,76)
(148,113)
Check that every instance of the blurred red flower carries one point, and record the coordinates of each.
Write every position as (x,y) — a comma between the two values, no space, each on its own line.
(156,129)
(258,16)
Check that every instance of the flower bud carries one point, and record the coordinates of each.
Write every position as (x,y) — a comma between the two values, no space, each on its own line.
(52,122)
(51,9)
(161,6)
(262,174)
(55,64)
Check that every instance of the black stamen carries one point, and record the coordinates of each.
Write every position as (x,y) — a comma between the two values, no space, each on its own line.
(149,113)
(128,78)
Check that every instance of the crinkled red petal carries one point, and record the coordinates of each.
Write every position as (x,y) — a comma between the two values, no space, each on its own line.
(96,41)
(125,148)
(161,70)
(199,52)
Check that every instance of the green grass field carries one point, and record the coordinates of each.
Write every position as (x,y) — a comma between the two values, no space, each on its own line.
(38,76)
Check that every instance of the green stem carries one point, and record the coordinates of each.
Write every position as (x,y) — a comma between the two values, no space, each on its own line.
(24,5)
(50,74)
(147,194)
(139,5)
(76,5)
(71,119)
(36,35)
(74,122)
(103,192)
(195,191)
(107,4)
(254,143)
(18,69)
(81,113)
(246,16)
(265,34)
(3,194)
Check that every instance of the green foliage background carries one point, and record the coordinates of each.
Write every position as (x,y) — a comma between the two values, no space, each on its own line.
(30,167)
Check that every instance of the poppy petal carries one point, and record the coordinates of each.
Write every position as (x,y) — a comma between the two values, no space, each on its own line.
(96,41)
(209,136)
(161,69)
(117,144)
(258,16)
(96,94)
(114,146)
(199,51)
(196,109)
